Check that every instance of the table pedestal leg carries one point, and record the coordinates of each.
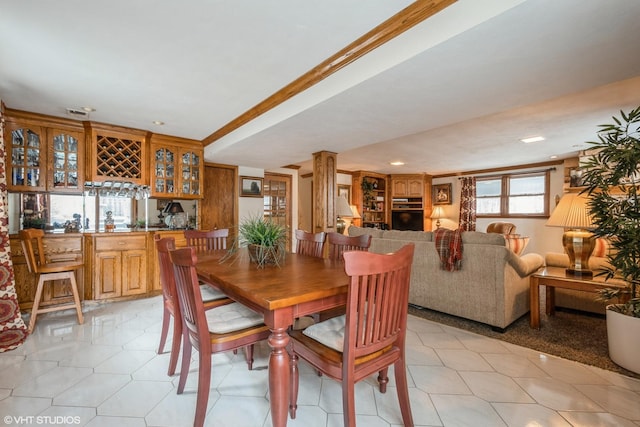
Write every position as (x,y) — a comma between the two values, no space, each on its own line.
(279,377)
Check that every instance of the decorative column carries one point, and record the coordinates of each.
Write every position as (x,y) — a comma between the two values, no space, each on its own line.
(324,191)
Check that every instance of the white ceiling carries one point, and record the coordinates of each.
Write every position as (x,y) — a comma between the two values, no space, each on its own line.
(454,93)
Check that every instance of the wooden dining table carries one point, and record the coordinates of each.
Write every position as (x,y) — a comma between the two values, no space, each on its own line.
(300,286)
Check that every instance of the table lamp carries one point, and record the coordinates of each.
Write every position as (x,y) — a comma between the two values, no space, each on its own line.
(343,210)
(573,215)
(436,214)
(171,210)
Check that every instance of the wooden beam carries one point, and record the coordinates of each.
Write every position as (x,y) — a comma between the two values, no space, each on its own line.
(389,29)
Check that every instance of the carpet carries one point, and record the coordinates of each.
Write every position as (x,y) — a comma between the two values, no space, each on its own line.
(569,334)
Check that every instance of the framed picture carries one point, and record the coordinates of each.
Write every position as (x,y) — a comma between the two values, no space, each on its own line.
(345,191)
(161,204)
(250,186)
(442,194)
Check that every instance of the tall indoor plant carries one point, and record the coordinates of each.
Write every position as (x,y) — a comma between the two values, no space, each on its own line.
(611,176)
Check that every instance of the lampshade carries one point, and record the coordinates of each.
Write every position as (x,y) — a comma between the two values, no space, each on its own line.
(342,208)
(436,214)
(354,211)
(573,215)
(571,212)
(173,208)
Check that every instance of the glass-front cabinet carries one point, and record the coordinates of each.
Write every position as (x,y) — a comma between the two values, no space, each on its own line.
(164,170)
(66,157)
(176,170)
(191,169)
(27,160)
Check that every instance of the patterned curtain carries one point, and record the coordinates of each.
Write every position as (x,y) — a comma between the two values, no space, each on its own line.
(468,204)
(13,331)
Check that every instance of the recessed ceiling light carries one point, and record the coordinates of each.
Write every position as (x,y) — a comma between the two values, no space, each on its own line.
(89,109)
(158,122)
(532,139)
(397,163)
(553,157)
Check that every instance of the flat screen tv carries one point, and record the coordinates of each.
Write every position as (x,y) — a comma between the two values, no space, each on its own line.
(407,220)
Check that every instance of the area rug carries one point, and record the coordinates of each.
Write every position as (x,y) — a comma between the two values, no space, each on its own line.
(572,335)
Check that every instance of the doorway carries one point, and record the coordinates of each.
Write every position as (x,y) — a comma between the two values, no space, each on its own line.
(277,201)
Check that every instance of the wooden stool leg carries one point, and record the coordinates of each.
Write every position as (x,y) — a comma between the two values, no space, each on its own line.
(36,303)
(76,296)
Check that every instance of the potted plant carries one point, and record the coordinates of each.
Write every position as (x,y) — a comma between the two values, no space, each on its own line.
(265,241)
(367,192)
(611,176)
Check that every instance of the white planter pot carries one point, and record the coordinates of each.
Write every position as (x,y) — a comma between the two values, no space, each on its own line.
(623,334)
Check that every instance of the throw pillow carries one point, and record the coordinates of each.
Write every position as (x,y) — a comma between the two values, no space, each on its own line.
(602,248)
(516,243)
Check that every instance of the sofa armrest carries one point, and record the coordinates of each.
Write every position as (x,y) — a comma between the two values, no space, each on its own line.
(526,264)
(556,259)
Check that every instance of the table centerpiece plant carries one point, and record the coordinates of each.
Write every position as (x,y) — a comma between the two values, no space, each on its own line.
(611,176)
(264,239)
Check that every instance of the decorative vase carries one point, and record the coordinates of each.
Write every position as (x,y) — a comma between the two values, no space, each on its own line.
(109,223)
(265,255)
(622,333)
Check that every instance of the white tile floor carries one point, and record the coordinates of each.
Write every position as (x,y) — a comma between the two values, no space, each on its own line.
(107,373)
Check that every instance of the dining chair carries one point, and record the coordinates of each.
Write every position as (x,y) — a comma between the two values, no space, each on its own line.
(210,297)
(339,244)
(368,338)
(224,328)
(207,240)
(311,244)
(33,248)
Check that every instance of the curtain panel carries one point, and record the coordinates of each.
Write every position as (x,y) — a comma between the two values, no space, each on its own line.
(13,330)
(468,204)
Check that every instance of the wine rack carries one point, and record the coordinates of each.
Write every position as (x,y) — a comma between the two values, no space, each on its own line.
(119,158)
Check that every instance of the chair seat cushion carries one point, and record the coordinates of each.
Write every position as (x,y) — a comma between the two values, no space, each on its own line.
(231,317)
(330,332)
(210,294)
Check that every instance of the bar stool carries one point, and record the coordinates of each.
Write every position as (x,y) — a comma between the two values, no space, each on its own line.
(46,272)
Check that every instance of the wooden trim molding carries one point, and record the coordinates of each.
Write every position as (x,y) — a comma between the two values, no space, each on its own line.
(407,18)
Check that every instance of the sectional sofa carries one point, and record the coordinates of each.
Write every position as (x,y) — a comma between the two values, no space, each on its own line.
(492,286)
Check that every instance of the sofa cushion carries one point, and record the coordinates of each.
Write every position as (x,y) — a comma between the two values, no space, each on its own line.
(479,238)
(408,235)
(359,231)
(516,243)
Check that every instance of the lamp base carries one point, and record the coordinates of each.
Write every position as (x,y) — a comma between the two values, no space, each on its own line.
(340,225)
(580,274)
(579,245)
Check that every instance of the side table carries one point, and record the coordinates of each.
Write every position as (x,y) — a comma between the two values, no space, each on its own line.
(556,277)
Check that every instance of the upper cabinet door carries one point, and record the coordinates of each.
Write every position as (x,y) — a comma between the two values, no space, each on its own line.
(26,157)
(191,173)
(176,168)
(163,171)
(66,165)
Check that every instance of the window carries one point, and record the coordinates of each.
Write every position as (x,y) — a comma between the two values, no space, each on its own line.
(513,195)
(67,207)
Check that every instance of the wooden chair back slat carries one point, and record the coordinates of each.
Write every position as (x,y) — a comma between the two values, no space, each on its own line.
(377,300)
(339,244)
(205,241)
(311,244)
